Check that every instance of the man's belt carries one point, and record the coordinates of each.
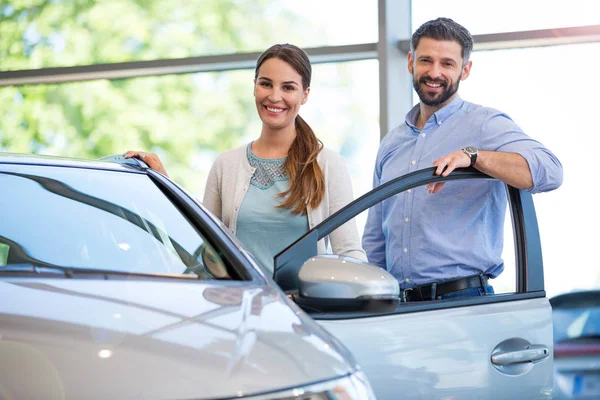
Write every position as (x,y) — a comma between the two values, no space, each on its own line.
(432,291)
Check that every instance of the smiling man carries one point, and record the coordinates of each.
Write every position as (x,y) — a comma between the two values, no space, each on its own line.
(448,243)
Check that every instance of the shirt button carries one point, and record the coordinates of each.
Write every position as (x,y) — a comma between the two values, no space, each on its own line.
(413,162)
(407,280)
(409,190)
(405,250)
(422,135)
(439,122)
(406,219)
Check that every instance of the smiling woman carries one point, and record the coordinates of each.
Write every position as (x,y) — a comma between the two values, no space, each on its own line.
(272,190)
(281,86)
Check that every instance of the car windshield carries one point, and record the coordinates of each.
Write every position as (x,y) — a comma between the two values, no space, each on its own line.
(101,220)
(571,324)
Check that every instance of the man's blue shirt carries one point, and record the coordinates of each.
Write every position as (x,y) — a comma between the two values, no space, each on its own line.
(423,238)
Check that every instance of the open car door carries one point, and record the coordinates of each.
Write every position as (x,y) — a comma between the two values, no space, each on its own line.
(489,347)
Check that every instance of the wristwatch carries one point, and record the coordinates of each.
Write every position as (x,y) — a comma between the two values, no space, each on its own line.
(472,153)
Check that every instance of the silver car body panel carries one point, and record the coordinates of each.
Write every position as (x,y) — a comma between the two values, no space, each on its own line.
(447,353)
(97,339)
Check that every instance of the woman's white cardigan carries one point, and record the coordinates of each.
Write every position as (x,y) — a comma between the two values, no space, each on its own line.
(229,179)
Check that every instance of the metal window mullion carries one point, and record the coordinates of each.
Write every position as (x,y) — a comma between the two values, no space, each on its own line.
(524,39)
(395,84)
(211,63)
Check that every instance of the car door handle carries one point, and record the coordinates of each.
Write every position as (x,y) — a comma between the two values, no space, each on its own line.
(533,352)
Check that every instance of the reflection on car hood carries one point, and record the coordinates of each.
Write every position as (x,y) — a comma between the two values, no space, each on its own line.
(81,339)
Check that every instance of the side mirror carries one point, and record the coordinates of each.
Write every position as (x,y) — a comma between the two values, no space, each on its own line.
(208,264)
(341,277)
(213,263)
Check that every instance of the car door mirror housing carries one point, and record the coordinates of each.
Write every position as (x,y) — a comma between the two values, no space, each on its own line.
(341,277)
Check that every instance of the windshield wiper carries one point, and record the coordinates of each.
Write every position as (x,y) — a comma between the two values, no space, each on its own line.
(82,273)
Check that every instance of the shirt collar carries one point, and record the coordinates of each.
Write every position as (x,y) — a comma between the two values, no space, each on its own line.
(438,117)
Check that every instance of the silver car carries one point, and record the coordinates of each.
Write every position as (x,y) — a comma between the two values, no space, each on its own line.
(114,284)
(118,284)
(576,345)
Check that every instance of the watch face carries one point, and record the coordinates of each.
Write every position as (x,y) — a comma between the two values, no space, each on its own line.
(471,150)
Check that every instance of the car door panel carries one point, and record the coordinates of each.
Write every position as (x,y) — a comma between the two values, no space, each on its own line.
(446,354)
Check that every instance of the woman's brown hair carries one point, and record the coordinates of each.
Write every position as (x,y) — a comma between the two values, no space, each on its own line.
(307,181)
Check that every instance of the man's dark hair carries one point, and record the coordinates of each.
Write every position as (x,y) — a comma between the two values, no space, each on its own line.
(444,29)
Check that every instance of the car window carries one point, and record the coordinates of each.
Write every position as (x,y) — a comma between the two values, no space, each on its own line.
(516,271)
(96,219)
(504,282)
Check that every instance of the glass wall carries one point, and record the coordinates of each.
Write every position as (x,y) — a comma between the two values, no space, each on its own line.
(481,17)
(535,87)
(38,34)
(538,88)
(188,119)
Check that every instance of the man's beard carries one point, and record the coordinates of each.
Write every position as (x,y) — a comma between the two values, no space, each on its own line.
(438,98)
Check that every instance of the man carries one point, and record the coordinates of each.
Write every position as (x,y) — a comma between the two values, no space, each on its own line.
(447,243)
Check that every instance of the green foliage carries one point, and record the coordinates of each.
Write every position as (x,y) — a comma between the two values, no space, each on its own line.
(187,119)
(52,33)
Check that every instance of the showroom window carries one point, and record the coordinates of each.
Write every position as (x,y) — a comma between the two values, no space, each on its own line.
(508,15)
(538,88)
(188,119)
(67,33)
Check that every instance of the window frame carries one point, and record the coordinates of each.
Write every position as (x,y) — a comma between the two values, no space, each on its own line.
(221,240)
(528,254)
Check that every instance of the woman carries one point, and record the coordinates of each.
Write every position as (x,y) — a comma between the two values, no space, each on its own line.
(271,191)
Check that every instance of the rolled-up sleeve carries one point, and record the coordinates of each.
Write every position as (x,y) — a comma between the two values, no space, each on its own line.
(546,169)
(501,133)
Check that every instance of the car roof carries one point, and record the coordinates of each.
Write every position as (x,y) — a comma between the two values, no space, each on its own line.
(114,162)
(576,299)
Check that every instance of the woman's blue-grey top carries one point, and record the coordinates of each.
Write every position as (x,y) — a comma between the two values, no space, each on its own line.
(229,180)
(262,227)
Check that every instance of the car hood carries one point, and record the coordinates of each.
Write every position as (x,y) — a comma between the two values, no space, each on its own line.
(88,339)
